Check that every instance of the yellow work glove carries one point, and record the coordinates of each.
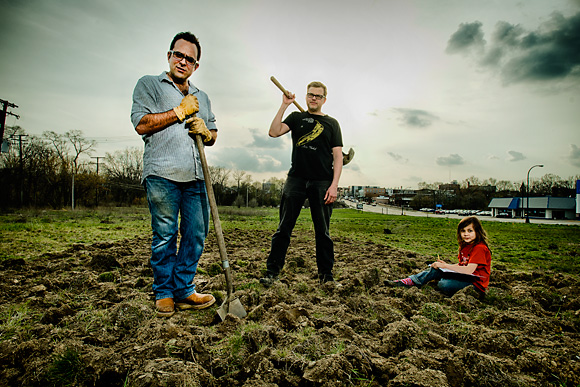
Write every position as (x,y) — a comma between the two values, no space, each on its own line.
(197,126)
(188,106)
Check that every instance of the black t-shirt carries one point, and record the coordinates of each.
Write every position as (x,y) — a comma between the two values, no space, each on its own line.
(313,137)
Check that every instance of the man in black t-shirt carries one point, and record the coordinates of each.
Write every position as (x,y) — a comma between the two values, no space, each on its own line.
(314,174)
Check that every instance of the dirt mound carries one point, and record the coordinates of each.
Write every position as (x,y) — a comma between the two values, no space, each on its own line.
(85,317)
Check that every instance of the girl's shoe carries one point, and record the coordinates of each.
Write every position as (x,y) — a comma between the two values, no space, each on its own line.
(402,283)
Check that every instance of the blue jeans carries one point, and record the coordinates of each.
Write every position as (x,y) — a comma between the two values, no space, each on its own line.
(449,283)
(173,272)
(296,191)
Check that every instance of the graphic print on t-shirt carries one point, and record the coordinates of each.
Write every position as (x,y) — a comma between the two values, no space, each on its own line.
(308,137)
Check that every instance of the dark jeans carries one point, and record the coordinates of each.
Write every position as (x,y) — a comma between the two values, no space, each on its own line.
(296,191)
(449,283)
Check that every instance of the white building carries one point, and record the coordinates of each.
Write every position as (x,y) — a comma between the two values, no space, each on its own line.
(547,207)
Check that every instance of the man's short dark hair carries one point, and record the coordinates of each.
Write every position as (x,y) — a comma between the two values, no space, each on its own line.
(317,84)
(190,38)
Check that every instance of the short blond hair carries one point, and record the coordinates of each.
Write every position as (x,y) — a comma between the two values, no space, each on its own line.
(317,84)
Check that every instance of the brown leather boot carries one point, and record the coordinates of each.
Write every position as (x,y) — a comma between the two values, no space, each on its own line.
(196,301)
(165,307)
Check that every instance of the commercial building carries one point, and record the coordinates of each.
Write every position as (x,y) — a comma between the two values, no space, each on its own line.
(547,207)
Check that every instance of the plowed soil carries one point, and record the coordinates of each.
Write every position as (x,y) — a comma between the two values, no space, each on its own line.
(85,317)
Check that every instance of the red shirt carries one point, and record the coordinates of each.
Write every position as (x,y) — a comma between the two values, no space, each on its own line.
(481,255)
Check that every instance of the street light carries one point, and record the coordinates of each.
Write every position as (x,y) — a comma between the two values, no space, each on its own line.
(528,193)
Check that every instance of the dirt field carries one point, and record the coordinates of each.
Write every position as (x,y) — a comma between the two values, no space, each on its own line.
(85,317)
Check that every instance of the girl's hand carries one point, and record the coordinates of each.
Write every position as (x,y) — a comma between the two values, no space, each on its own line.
(439,264)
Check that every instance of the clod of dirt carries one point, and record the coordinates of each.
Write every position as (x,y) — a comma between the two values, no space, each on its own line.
(171,372)
(328,371)
(103,262)
(55,315)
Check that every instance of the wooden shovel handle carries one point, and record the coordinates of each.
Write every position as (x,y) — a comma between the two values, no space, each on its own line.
(286,92)
(215,216)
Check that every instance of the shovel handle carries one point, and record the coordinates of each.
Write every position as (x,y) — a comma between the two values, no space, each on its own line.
(286,92)
(214,214)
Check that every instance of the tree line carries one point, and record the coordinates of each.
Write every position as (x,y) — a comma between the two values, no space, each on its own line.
(57,171)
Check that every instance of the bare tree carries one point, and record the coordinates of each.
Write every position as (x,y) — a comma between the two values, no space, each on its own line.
(425,185)
(123,170)
(545,184)
(470,181)
(80,145)
(490,181)
(219,180)
(238,177)
(125,166)
(60,144)
(505,185)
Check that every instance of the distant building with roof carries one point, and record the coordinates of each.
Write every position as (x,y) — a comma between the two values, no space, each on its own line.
(547,207)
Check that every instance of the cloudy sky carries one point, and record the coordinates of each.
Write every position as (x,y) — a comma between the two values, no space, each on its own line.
(424,90)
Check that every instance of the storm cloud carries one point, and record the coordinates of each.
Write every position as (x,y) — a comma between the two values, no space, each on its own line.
(516,156)
(261,140)
(416,118)
(398,158)
(253,160)
(468,36)
(451,160)
(550,52)
(574,155)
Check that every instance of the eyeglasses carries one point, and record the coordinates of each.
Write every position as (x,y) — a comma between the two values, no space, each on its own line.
(180,56)
(317,97)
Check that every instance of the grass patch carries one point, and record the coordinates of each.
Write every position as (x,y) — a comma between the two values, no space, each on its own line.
(67,369)
(520,246)
(16,320)
(51,230)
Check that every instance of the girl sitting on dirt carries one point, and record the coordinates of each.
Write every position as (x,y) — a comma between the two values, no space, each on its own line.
(473,268)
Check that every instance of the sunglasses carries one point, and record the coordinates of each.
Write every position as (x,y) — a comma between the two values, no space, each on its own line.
(180,56)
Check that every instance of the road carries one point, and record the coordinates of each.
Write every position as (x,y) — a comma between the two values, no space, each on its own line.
(391,210)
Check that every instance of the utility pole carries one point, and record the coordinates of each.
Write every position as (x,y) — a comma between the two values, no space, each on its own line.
(21,168)
(3,113)
(97,194)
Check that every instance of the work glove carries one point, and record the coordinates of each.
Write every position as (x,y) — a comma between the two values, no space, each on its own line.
(197,126)
(188,106)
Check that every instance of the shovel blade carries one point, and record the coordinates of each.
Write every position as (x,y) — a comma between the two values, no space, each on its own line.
(234,307)
(347,157)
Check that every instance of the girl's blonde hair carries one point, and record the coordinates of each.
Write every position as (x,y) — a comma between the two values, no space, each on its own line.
(480,234)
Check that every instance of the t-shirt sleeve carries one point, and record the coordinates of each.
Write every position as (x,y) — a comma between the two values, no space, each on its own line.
(479,255)
(337,136)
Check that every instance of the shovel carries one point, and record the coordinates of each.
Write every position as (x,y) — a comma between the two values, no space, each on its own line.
(230,305)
